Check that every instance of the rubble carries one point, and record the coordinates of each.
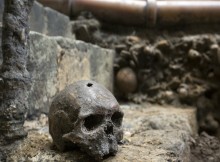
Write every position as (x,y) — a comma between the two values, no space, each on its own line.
(172,66)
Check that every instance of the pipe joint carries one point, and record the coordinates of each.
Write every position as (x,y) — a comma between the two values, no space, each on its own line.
(151,13)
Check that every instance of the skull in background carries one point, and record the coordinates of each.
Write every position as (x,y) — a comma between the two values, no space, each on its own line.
(86,115)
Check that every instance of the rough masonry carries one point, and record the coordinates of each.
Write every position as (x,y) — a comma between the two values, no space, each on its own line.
(56,59)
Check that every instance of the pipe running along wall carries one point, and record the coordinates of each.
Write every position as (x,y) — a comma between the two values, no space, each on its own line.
(143,12)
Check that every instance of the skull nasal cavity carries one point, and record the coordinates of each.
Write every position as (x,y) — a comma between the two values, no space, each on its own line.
(109,129)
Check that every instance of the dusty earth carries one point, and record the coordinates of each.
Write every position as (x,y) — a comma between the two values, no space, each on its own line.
(172,138)
(145,137)
(205,148)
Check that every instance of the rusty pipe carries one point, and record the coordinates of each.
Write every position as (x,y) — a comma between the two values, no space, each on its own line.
(188,12)
(143,12)
(118,11)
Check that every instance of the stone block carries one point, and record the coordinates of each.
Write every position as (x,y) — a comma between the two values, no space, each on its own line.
(37,19)
(73,62)
(1,59)
(100,64)
(57,23)
(46,21)
(99,61)
(1,9)
(42,65)
(162,118)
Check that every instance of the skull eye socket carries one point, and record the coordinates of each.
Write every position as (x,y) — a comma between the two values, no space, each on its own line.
(117,118)
(93,121)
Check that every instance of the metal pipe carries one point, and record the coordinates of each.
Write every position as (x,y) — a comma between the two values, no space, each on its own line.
(143,12)
(118,11)
(188,12)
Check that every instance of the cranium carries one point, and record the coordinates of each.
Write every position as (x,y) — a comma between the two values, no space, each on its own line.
(86,115)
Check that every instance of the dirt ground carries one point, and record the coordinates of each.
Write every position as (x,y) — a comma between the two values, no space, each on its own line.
(145,138)
(205,148)
(165,141)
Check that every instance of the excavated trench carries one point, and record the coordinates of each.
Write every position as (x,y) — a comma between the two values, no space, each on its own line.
(169,65)
(166,79)
(173,65)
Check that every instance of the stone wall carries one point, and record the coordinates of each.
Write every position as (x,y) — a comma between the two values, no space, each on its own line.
(1,9)
(47,21)
(56,59)
(56,62)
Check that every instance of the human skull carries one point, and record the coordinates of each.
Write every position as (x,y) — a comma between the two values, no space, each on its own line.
(88,116)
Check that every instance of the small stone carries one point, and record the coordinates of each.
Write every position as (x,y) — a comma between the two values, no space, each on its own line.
(1,81)
(184,45)
(159,75)
(203,43)
(168,95)
(163,45)
(214,47)
(153,91)
(92,24)
(183,90)
(134,57)
(174,84)
(116,66)
(132,40)
(150,82)
(176,69)
(137,47)
(125,54)
(82,33)
(132,64)
(121,62)
(120,47)
(148,50)
(126,80)
(215,51)
(193,54)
